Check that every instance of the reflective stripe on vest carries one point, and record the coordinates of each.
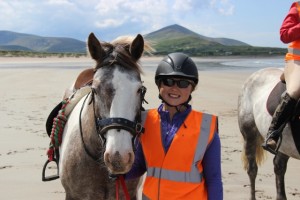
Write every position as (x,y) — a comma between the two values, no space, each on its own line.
(294,47)
(193,176)
(294,51)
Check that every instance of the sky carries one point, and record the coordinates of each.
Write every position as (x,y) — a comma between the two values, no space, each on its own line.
(255,22)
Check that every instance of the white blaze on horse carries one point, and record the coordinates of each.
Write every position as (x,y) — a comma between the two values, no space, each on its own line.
(254,121)
(97,141)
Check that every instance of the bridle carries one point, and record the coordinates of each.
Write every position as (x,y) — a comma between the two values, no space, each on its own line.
(135,128)
(115,55)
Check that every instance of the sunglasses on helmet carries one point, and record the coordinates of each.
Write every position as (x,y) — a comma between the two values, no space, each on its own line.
(180,83)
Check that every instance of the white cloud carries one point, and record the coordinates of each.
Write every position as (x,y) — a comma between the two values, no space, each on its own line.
(55,15)
(108,23)
(224,7)
(134,14)
(182,5)
(59,2)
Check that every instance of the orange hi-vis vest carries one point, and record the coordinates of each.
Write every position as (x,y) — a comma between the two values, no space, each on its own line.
(294,47)
(177,174)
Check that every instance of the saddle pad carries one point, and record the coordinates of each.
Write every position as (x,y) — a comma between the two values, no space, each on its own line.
(272,103)
(50,118)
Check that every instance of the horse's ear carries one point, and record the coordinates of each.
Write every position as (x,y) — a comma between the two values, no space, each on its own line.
(95,48)
(137,47)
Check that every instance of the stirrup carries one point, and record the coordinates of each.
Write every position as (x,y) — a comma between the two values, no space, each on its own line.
(266,147)
(51,177)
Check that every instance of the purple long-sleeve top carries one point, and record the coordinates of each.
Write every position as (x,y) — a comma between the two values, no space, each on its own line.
(211,161)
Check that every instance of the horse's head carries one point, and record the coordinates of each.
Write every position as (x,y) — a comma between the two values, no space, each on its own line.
(117,94)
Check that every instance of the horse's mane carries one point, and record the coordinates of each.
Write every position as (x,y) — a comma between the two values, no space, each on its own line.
(127,40)
(117,52)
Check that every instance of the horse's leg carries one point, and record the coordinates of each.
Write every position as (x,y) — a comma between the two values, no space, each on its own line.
(251,143)
(68,197)
(280,164)
(250,148)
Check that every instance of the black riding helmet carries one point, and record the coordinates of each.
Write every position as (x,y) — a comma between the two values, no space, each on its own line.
(177,65)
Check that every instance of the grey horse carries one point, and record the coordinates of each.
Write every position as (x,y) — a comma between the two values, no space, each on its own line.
(254,121)
(97,143)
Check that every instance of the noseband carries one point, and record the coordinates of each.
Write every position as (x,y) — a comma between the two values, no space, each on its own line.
(135,128)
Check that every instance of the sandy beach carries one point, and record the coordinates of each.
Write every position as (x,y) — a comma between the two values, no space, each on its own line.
(28,95)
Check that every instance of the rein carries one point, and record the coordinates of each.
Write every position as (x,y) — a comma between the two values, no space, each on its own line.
(81,132)
(120,180)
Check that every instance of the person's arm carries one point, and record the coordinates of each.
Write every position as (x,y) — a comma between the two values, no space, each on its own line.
(139,165)
(290,28)
(212,170)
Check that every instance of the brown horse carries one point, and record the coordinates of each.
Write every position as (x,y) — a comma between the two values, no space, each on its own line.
(97,142)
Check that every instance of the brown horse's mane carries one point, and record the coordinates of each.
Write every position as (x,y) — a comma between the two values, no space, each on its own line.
(118,52)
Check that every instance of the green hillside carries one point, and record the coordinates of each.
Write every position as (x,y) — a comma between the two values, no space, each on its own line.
(26,42)
(173,38)
(176,38)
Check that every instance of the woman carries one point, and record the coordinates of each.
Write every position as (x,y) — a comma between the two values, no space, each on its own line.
(180,149)
(289,33)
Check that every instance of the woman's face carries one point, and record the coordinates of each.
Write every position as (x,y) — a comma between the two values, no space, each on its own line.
(172,93)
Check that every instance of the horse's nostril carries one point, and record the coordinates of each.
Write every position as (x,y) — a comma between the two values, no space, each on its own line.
(107,157)
(118,130)
(130,158)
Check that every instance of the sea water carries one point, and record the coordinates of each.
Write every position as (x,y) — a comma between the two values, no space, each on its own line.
(248,64)
(203,64)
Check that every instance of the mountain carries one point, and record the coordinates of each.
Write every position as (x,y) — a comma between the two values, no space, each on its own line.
(179,32)
(174,38)
(12,41)
(177,38)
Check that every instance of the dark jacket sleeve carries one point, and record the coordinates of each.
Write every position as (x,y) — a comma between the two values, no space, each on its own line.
(139,165)
(212,169)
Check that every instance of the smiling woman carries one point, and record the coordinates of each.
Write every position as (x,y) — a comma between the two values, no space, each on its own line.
(176,138)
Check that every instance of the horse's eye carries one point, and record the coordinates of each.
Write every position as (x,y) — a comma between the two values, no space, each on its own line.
(94,91)
(142,90)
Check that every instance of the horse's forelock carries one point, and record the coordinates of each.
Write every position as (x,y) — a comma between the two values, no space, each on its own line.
(122,40)
(117,52)
(127,40)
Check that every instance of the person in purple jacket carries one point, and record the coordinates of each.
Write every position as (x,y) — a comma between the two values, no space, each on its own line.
(178,167)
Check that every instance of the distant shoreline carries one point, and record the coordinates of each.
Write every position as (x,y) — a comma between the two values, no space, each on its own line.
(148,63)
(86,57)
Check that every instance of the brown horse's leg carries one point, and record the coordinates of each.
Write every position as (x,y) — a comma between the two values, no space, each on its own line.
(280,164)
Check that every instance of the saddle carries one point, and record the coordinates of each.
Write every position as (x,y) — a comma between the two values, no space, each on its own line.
(85,78)
(272,103)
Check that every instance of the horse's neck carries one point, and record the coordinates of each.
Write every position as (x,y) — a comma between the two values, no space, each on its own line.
(89,132)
